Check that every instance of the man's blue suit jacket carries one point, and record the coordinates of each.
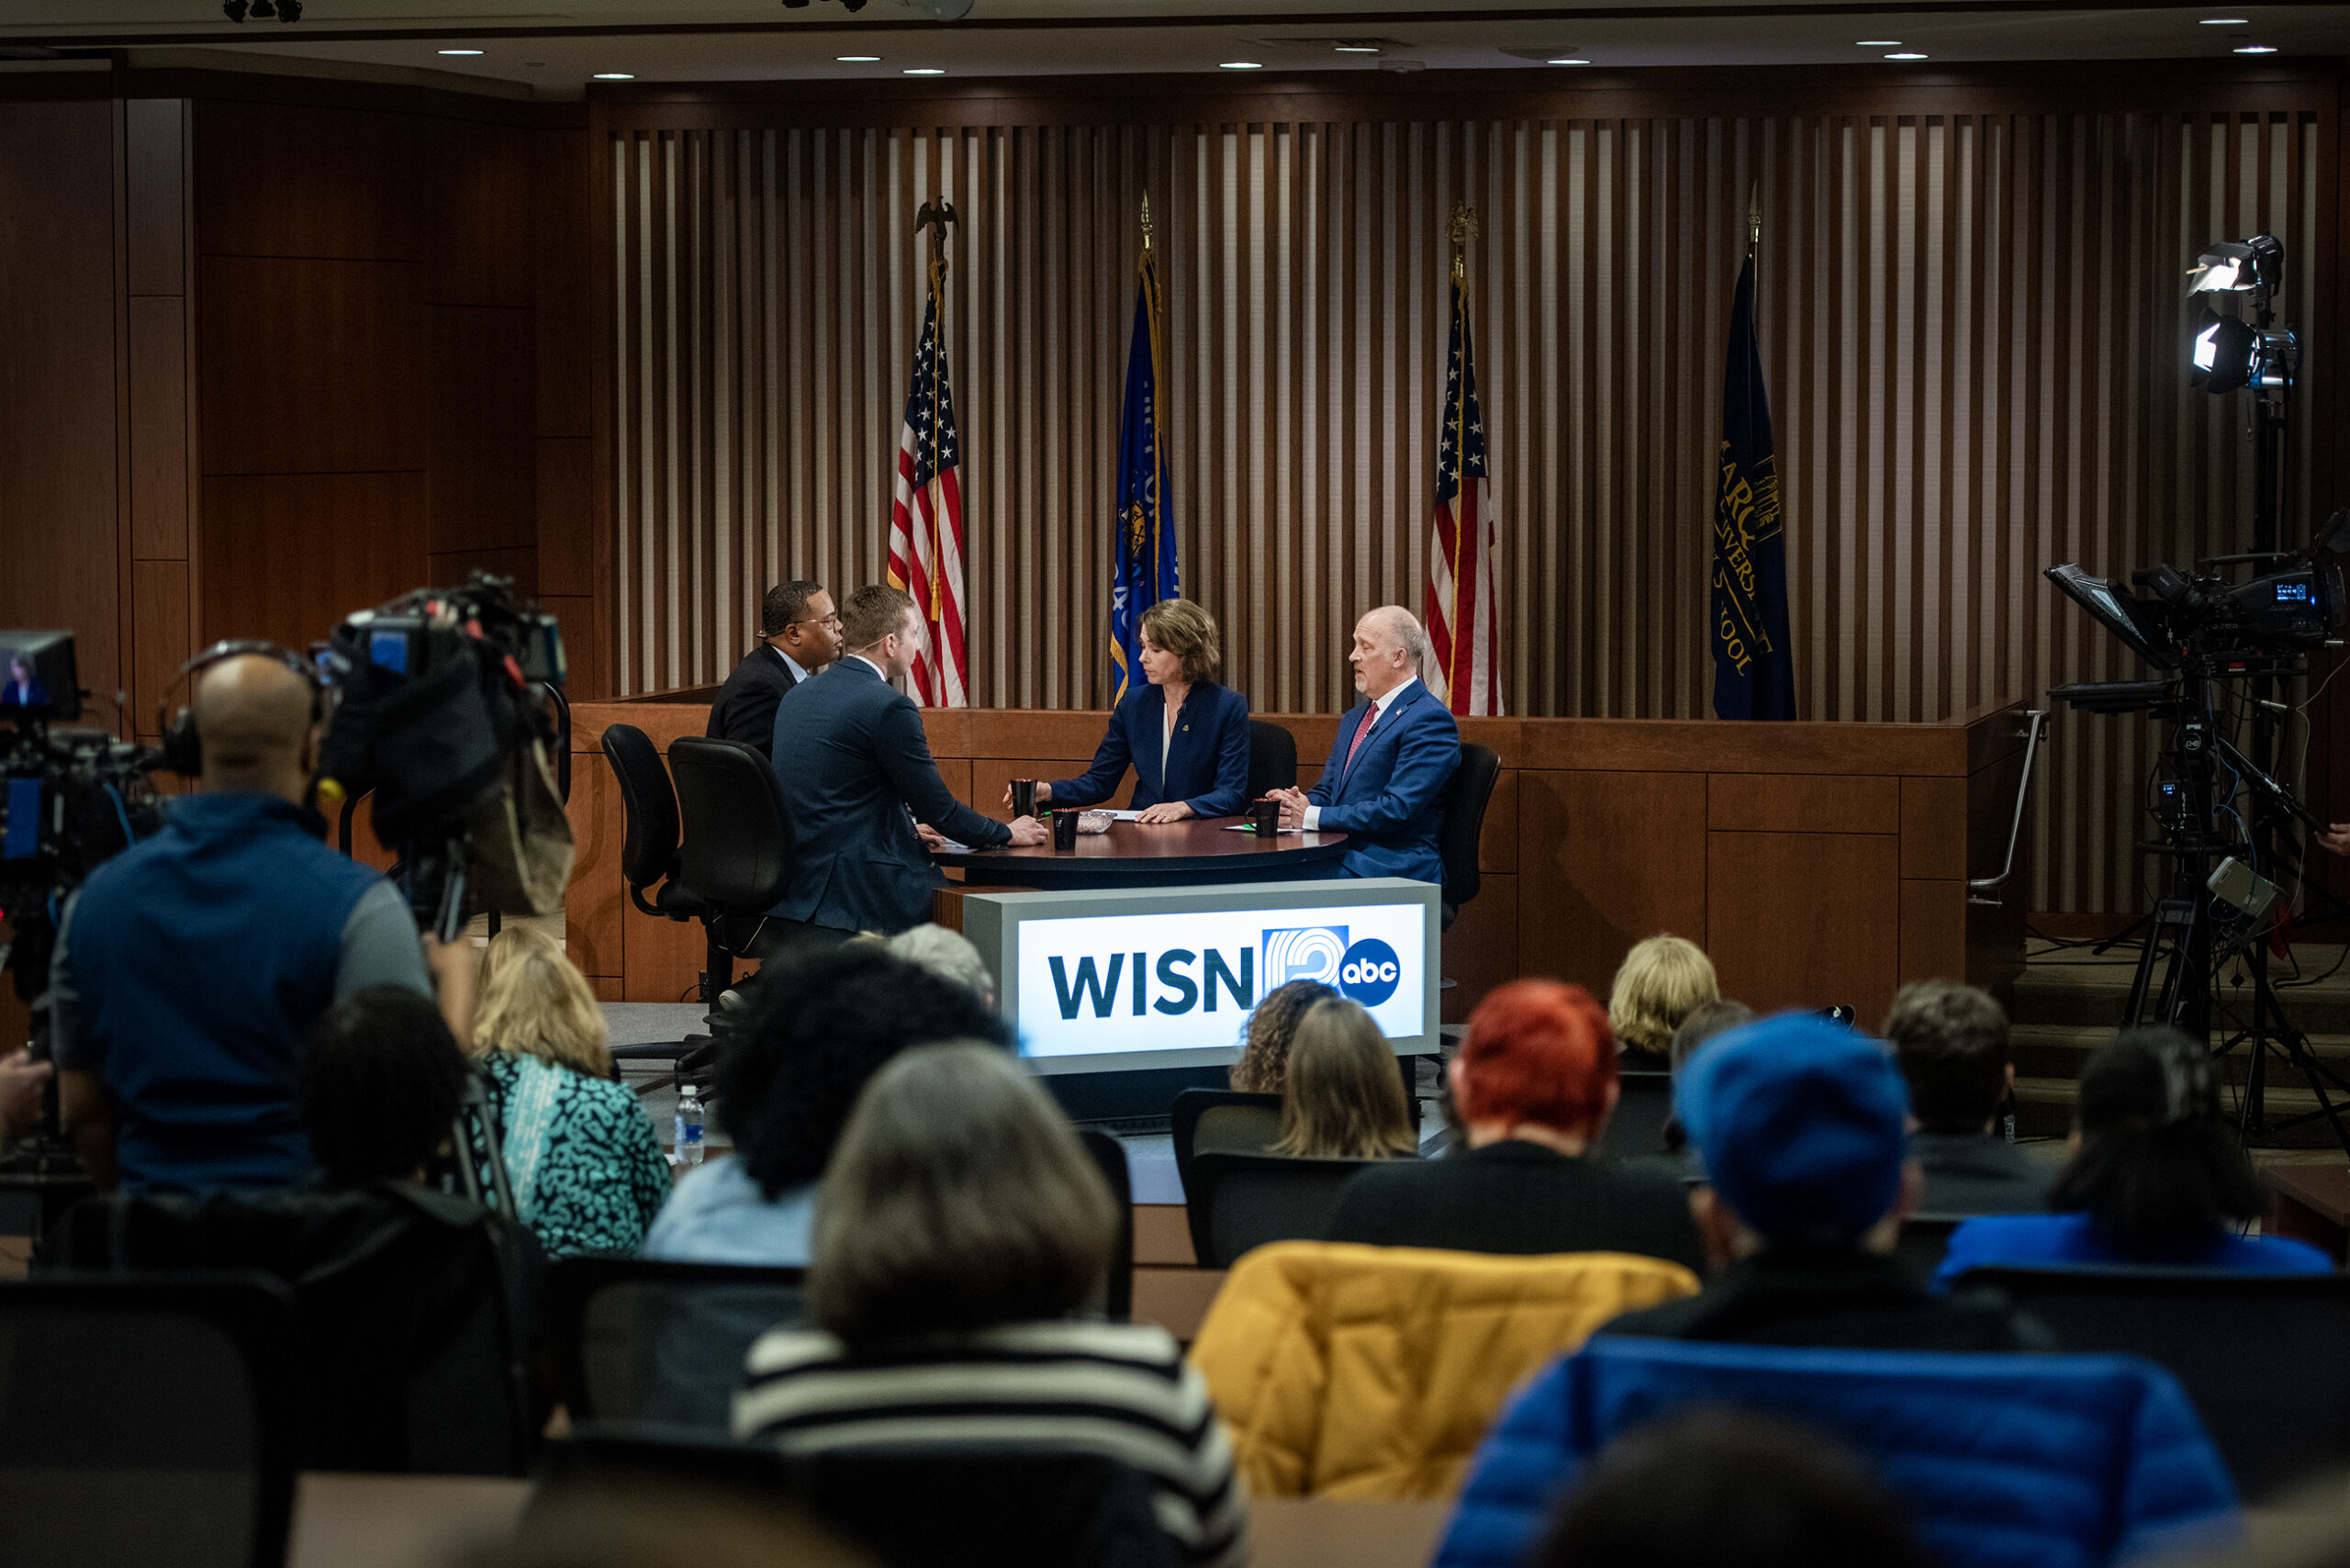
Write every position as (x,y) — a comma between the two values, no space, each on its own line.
(851,756)
(1392,801)
(1207,762)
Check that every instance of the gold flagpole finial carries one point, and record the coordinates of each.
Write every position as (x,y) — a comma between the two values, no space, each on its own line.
(1460,230)
(1754,216)
(936,217)
(1145,220)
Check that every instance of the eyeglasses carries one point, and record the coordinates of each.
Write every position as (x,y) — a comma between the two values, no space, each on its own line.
(830,623)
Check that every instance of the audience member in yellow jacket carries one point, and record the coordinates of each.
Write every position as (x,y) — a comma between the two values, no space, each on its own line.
(1345,1370)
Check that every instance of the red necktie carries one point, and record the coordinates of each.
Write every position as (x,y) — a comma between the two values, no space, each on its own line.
(1361,730)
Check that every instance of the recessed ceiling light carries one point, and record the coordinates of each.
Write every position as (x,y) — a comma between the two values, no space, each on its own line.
(615,75)
(1905,54)
(925,71)
(1356,48)
(858,59)
(2257,48)
(1241,65)
(459,51)
(1877,44)
(2224,22)
(1566,62)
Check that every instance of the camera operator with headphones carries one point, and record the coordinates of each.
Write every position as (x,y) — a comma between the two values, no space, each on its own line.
(188,967)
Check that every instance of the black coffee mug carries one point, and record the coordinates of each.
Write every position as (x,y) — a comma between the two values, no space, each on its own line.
(1064,831)
(1024,797)
(1267,814)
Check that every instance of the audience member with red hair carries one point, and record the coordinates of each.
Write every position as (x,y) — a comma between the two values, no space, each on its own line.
(1533,1085)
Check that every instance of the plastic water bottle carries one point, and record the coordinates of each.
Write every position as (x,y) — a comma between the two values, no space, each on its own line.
(689,1125)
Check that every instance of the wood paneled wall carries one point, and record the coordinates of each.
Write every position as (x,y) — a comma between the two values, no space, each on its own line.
(1973,326)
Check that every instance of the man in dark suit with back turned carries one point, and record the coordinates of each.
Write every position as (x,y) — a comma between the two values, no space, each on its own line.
(800,634)
(1396,751)
(859,777)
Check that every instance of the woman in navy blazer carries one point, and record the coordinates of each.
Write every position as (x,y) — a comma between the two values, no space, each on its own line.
(1185,735)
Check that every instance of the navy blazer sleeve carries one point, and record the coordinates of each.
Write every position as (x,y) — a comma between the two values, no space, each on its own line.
(1427,752)
(1231,758)
(1110,762)
(904,752)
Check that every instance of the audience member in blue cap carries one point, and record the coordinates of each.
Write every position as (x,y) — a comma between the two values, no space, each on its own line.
(1801,1125)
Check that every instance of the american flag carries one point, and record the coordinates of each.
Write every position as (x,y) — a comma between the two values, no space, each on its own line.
(927,518)
(1461,616)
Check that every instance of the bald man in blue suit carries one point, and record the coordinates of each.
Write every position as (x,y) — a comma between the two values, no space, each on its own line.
(1385,783)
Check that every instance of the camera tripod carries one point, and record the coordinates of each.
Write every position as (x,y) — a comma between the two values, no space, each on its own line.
(2187,940)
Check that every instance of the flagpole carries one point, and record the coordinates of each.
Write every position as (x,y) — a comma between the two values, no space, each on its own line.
(1461,229)
(935,216)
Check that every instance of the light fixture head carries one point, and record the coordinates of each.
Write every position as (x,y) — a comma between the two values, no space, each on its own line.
(925,71)
(2224,22)
(2256,49)
(858,59)
(263,8)
(2249,267)
(615,75)
(1567,63)
(1241,65)
(458,51)
(1905,54)
(289,10)
(2231,354)
(234,9)
(1877,44)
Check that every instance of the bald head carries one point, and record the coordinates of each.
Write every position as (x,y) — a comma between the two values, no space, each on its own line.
(252,715)
(1390,648)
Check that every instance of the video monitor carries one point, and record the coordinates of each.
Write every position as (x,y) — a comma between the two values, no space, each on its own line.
(36,676)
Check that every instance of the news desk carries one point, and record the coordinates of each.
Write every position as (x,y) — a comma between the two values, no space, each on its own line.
(1816,863)
(1195,853)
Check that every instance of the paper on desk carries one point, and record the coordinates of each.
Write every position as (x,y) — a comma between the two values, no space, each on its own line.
(949,847)
(1123,816)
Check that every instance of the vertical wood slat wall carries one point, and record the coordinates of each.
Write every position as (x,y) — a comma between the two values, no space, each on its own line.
(1973,332)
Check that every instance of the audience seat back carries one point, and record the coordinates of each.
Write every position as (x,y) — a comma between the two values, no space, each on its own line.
(1223,1119)
(1115,1299)
(1235,1202)
(2266,1357)
(1347,1371)
(1637,1130)
(146,1420)
(634,1339)
(1924,1240)
(2004,1460)
(415,1311)
(936,1508)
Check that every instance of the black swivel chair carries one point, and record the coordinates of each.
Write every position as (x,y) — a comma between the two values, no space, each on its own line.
(1225,1120)
(1273,759)
(639,1339)
(649,851)
(1470,793)
(147,1418)
(1110,1157)
(734,848)
(2266,1357)
(1235,1202)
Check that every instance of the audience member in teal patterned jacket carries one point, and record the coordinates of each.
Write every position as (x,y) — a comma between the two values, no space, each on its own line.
(587,1167)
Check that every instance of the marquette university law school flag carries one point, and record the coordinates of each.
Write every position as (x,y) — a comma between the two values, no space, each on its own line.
(1754,675)
(1143,569)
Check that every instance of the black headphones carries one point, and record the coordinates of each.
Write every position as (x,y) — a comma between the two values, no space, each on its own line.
(183,747)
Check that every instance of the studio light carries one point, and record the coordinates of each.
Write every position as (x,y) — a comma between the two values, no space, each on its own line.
(2227,352)
(2253,267)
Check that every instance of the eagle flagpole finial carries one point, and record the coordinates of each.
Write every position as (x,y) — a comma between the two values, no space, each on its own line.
(1460,230)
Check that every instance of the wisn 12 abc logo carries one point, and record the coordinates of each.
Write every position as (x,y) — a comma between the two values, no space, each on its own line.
(1367,971)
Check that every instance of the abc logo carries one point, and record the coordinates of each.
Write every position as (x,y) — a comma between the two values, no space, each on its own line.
(1369,971)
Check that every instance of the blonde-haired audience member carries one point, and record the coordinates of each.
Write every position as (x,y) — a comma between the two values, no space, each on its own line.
(1660,982)
(961,1229)
(1265,1038)
(1344,1096)
(586,1166)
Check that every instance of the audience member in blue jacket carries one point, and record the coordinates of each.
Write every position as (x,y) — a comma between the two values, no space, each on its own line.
(1185,736)
(1384,784)
(2156,1177)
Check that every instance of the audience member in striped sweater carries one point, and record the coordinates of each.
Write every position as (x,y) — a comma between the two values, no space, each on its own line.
(959,1229)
